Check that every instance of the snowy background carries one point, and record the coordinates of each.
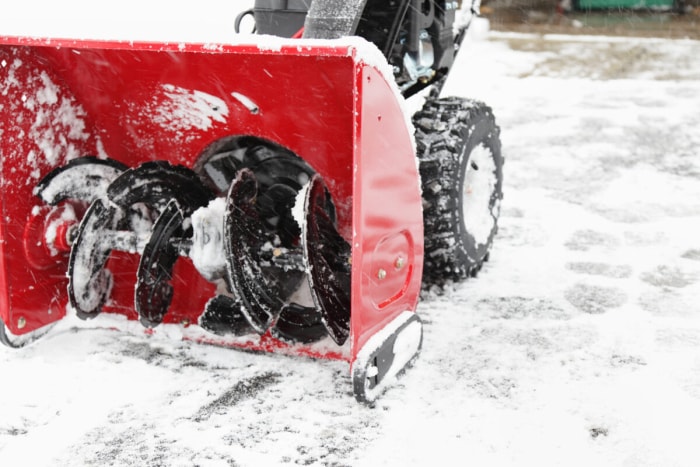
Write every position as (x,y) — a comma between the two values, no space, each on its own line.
(577,345)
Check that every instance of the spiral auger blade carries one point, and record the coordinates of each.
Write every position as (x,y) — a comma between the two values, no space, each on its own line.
(173,193)
(89,282)
(156,183)
(244,239)
(265,262)
(303,303)
(327,256)
(123,221)
(154,292)
(82,179)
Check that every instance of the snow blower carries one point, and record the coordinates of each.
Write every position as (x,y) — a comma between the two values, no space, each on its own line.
(262,194)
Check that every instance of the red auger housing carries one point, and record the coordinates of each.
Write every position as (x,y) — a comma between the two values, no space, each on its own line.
(262,194)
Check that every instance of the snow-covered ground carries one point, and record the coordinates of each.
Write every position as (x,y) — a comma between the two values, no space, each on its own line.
(578,344)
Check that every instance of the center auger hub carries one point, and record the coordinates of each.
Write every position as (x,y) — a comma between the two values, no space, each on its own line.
(253,218)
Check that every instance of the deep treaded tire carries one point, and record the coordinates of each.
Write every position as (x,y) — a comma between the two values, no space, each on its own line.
(461,169)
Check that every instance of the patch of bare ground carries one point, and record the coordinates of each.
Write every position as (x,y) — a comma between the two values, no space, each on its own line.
(545,17)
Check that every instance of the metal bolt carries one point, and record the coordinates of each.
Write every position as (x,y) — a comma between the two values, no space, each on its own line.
(21,322)
(381,274)
(400,262)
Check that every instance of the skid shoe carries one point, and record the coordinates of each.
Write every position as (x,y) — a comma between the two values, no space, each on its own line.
(387,353)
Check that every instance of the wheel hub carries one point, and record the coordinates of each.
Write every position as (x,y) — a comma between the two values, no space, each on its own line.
(479,184)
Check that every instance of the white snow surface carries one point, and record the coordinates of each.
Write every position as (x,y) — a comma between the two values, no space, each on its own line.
(577,345)
(207,253)
(185,109)
(58,125)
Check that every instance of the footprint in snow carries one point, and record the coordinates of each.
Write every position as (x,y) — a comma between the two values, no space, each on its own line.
(584,240)
(690,382)
(601,269)
(515,307)
(678,339)
(692,254)
(640,238)
(669,302)
(627,361)
(669,277)
(595,299)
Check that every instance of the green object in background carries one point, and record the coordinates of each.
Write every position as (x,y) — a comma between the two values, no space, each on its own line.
(631,4)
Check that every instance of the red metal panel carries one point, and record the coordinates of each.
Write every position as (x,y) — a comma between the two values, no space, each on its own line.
(41,126)
(136,96)
(388,222)
(140,102)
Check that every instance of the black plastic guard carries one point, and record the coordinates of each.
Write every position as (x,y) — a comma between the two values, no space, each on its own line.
(223,316)
(328,257)
(297,323)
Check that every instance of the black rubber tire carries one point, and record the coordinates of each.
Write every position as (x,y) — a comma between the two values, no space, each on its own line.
(447,132)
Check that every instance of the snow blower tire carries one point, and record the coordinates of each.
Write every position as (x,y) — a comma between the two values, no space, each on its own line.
(461,169)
